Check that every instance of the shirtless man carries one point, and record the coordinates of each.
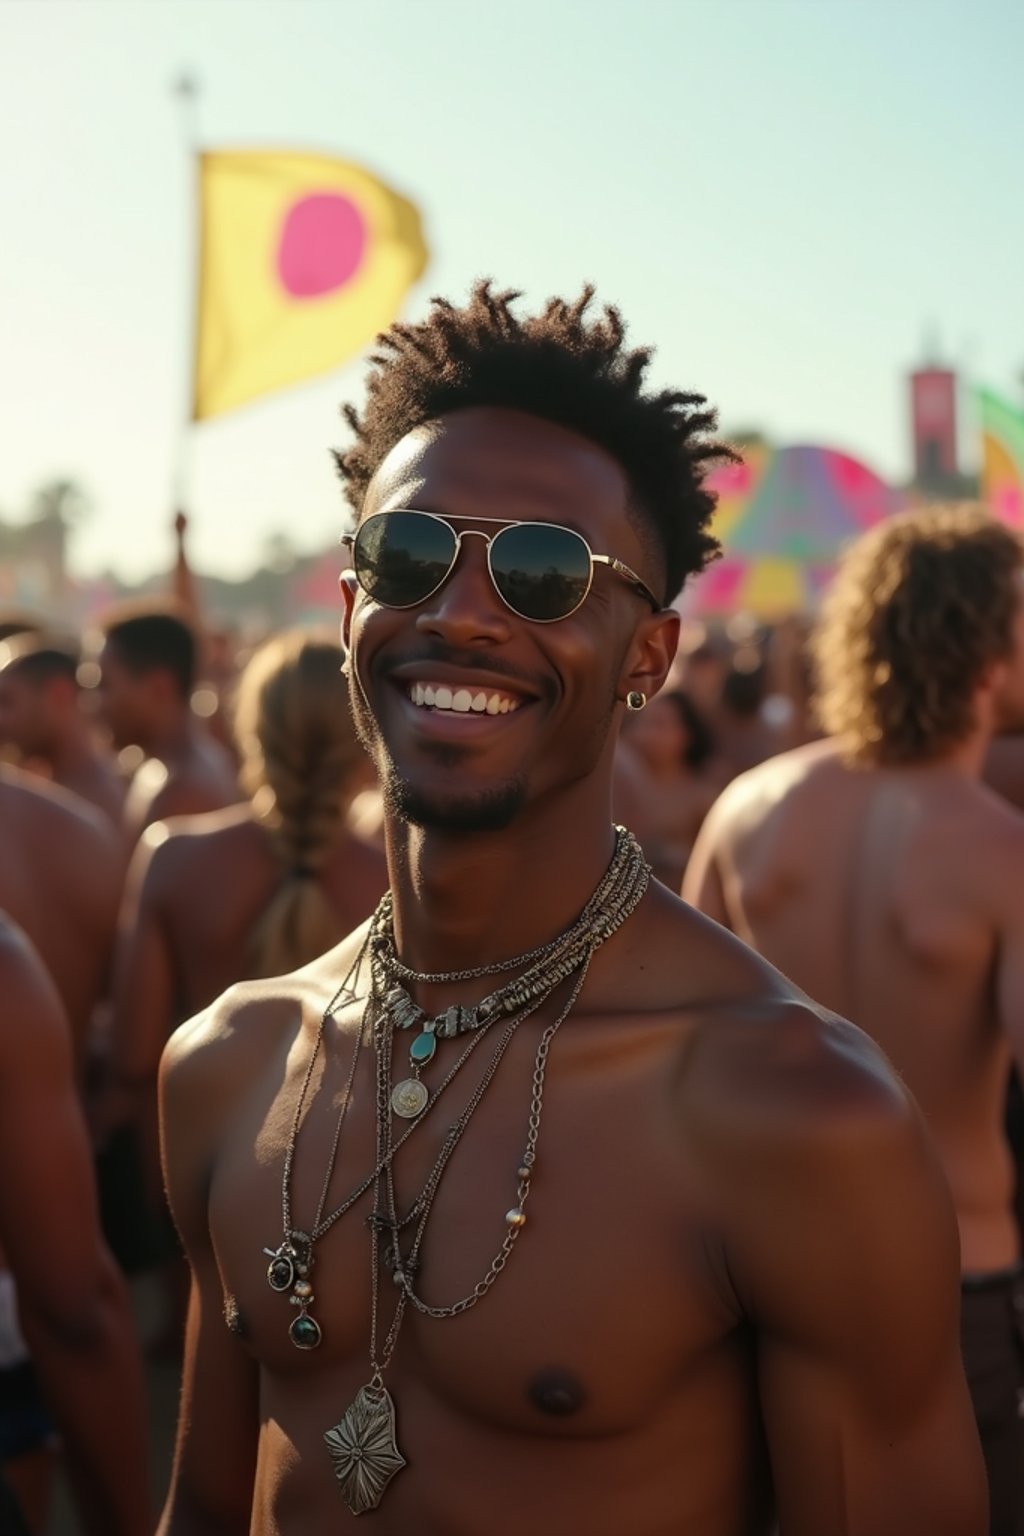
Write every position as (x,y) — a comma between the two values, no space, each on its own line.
(733,1289)
(73,1307)
(41,714)
(879,873)
(147,669)
(61,871)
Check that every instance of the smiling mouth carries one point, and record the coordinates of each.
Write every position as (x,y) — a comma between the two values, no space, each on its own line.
(461,701)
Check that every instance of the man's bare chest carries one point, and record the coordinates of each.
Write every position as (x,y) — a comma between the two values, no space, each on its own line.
(593,1310)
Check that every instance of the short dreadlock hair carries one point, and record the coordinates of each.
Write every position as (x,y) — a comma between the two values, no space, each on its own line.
(561,366)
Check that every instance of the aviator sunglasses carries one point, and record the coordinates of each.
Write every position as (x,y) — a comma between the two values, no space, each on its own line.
(541,571)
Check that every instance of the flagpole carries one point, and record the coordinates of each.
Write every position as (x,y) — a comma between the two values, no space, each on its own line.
(186,90)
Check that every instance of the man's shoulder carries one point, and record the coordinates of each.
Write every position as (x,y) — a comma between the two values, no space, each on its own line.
(782,1065)
(234,1034)
(36,802)
(178,846)
(778,780)
(790,1108)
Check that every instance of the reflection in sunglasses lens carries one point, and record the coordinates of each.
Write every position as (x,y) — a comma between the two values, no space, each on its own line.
(542,572)
(400,558)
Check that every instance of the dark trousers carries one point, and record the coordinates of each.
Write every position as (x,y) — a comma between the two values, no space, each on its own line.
(11,1522)
(992,1340)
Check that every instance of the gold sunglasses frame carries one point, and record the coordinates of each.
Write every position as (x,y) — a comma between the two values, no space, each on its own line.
(618,566)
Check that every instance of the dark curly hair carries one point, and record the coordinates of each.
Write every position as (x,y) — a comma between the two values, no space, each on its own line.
(921,606)
(566,368)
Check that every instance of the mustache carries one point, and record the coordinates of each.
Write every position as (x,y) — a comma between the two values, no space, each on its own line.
(468,661)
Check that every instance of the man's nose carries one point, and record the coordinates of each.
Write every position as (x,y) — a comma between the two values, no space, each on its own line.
(466,609)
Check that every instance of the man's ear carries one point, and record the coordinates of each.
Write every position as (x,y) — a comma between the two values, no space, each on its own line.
(347,588)
(651,654)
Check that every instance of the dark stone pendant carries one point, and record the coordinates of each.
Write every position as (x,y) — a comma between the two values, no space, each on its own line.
(281,1269)
(304,1331)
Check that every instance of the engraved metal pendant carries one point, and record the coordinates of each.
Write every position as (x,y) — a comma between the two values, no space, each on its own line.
(363,1449)
(409,1098)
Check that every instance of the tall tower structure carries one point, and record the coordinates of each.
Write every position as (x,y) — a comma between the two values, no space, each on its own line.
(933,422)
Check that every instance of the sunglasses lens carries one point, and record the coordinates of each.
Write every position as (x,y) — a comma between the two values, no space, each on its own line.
(542,572)
(400,558)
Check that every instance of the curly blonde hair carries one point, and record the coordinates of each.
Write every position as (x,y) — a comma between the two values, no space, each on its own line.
(299,754)
(920,608)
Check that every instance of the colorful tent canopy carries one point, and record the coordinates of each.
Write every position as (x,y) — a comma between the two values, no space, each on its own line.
(783,516)
(1002,456)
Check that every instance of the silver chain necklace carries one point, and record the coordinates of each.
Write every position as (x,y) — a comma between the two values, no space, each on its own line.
(363,1446)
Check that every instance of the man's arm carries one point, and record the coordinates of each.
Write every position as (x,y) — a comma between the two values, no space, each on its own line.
(843,1247)
(215,1459)
(72,1302)
(143,1003)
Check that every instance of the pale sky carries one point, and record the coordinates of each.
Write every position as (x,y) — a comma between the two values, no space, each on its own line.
(785,197)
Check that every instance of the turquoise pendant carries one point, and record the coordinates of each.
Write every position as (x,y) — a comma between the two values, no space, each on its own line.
(422,1049)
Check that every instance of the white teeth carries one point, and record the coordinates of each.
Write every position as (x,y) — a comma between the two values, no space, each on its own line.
(461,700)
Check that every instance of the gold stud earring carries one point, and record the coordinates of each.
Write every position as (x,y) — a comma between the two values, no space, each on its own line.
(635,700)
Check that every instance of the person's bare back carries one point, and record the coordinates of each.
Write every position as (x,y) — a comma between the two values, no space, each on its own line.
(60,880)
(887,896)
(201,884)
(883,876)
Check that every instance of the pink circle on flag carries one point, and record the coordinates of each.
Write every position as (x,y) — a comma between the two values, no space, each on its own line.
(322,245)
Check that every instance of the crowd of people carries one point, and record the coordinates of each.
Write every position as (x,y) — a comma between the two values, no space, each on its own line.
(764,1252)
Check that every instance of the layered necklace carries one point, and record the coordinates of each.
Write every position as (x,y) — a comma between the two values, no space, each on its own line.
(362,1445)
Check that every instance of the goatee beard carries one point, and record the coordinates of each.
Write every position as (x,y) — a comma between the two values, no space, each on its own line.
(490,810)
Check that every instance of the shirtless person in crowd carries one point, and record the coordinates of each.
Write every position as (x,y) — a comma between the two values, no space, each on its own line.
(254,890)
(61,872)
(688,1257)
(72,1304)
(41,715)
(878,872)
(147,670)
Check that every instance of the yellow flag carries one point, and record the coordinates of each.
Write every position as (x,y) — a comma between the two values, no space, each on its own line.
(303,259)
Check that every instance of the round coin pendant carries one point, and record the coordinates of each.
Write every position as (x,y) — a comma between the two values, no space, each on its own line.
(305,1332)
(280,1273)
(409,1099)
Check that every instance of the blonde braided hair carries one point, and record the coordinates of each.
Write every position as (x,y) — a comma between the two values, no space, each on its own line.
(299,753)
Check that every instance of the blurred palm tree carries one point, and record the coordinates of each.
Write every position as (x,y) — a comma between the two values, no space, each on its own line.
(60,502)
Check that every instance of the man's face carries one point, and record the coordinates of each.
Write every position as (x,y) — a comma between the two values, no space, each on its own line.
(554,686)
(122,698)
(25,721)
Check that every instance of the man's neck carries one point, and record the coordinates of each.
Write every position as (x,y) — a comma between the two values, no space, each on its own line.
(71,752)
(171,738)
(966,758)
(473,899)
